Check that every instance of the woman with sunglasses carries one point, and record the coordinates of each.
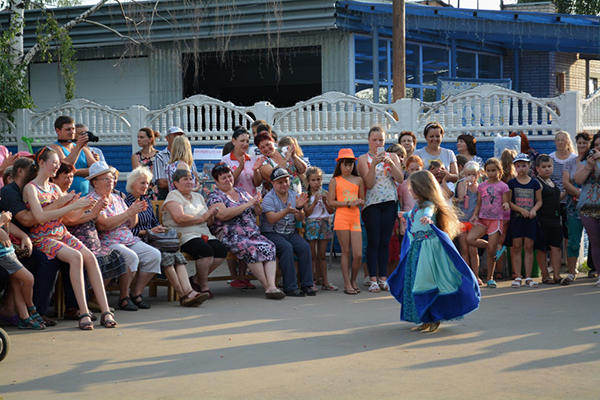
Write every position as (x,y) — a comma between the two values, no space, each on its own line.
(51,236)
(235,225)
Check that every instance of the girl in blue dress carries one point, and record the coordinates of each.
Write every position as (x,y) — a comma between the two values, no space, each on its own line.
(432,281)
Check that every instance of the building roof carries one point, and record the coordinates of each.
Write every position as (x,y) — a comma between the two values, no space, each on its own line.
(186,19)
(507,29)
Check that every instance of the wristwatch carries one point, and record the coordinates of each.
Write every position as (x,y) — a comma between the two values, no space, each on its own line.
(299,208)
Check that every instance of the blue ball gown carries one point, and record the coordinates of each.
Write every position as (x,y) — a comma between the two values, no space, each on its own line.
(432,281)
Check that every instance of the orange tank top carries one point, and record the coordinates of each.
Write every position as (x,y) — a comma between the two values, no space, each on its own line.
(346,191)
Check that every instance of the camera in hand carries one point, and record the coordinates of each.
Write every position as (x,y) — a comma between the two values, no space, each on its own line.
(91,137)
(591,152)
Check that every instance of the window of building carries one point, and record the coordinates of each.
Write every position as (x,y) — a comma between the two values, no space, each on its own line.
(424,65)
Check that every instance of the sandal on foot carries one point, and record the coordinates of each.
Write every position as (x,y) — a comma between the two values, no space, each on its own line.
(479,282)
(199,298)
(374,288)
(597,284)
(35,315)
(592,274)
(330,286)
(570,278)
(499,253)
(531,283)
(383,285)
(423,327)
(516,282)
(30,323)
(565,282)
(434,326)
(548,281)
(108,323)
(85,325)
(350,291)
(275,295)
(357,290)
(139,302)
(127,305)
(492,284)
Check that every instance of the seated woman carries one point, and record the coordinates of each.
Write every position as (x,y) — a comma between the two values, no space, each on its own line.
(173,264)
(111,262)
(50,236)
(113,225)
(186,211)
(235,225)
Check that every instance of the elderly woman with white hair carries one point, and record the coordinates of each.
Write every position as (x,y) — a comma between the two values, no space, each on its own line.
(173,264)
(113,224)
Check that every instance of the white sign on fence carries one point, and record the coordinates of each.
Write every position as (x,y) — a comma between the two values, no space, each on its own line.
(208,154)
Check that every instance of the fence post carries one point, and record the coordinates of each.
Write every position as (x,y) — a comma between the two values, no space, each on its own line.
(263,110)
(571,113)
(406,110)
(23,124)
(137,116)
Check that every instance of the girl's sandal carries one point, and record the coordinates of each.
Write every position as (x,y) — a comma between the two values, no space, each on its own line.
(383,285)
(330,286)
(30,323)
(492,284)
(374,288)
(108,323)
(516,283)
(85,325)
(531,283)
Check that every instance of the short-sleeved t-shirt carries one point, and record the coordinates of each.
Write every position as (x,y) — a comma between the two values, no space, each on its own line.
(470,202)
(446,157)
(491,199)
(548,214)
(557,173)
(523,195)
(272,202)
(11,199)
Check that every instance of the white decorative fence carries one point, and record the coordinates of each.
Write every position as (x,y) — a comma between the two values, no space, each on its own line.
(484,112)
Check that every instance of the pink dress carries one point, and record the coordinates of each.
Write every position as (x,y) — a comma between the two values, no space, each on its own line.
(51,236)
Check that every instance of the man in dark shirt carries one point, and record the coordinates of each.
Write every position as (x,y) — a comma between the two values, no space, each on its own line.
(43,269)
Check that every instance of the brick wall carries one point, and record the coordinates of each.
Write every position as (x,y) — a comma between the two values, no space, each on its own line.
(543,7)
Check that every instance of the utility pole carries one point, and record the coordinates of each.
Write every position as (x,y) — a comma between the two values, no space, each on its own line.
(399,50)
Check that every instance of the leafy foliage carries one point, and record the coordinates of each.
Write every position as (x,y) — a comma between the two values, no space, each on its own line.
(14,92)
(584,7)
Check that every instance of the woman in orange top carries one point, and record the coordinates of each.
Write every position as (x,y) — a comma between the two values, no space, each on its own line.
(346,194)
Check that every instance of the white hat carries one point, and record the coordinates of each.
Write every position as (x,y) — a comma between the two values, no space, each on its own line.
(174,129)
(521,157)
(99,168)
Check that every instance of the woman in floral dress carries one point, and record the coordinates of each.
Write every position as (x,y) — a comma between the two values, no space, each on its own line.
(235,226)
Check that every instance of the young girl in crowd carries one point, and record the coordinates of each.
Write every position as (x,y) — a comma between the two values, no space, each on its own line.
(318,225)
(413,164)
(492,201)
(438,169)
(394,246)
(20,278)
(432,282)
(508,172)
(524,229)
(549,218)
(50,236)
(466,200)
(346,194)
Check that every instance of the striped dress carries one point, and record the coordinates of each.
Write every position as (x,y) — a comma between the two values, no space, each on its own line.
(51,236)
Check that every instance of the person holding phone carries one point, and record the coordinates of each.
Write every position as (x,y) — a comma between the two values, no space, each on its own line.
(380,172)
(434,133)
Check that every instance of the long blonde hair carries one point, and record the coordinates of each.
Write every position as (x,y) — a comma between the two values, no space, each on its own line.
(508,169)
(426,188)
(569,146)
(181,150)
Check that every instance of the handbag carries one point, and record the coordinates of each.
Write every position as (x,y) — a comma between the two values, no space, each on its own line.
(167,242)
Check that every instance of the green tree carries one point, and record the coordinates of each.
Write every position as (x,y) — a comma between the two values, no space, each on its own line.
(584,7)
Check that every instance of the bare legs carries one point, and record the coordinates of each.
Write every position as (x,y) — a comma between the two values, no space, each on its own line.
(350,242)
(178,278)
(318,249)
(474,239)
(265,273)
(204,266)
(555,260)
(517,247)
(469,253)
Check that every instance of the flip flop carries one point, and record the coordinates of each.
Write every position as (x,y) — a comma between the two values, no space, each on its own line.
(352,291)
(492,284)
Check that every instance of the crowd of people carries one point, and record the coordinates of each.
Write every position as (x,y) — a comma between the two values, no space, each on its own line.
(395,211)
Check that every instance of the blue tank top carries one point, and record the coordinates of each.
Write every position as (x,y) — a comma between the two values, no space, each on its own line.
(80,184)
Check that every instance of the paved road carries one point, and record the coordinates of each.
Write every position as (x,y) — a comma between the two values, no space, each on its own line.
(521,344)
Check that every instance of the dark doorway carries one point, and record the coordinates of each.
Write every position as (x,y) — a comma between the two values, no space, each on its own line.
(246,77)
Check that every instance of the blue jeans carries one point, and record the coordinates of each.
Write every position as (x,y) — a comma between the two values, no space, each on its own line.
(379,222)
(285,247)
(44,273)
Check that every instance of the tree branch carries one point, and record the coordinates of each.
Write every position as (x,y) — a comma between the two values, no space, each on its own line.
(110,29)
(32,52)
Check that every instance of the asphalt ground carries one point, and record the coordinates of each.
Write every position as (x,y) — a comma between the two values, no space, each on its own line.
(520,344)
